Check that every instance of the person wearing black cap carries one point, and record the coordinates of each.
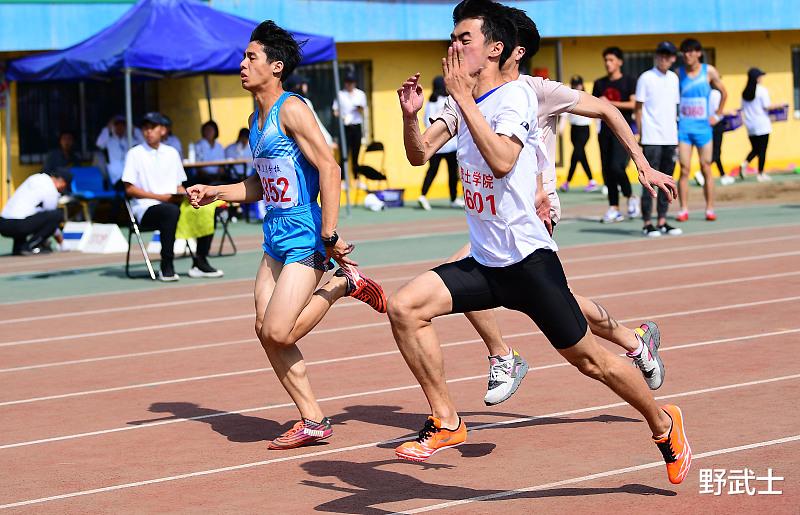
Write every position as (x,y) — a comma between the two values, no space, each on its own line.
(31,215)
(756,107)
(351,105)
(657,99)
(153,177)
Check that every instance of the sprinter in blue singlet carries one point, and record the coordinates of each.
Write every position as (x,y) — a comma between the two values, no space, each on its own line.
(295,166)
(694,127)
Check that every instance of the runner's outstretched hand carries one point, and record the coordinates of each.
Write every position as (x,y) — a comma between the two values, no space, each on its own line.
(201,195)
(651,179)
(410,95)
(340,252)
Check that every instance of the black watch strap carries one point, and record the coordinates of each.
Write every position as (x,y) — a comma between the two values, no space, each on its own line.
(330,242)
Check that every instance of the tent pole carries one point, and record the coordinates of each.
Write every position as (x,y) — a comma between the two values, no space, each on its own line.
(8,143)
(345,155)
(82,101)
(208,96)
(129,107)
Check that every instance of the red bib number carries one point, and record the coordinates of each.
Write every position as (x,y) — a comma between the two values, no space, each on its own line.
(481,192)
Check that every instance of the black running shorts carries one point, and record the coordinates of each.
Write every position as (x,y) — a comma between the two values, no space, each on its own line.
(535,286)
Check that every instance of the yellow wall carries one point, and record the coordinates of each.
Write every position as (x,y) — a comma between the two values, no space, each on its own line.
(184,99)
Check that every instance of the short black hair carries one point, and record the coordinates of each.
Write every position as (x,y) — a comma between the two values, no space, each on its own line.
(496,26)
(213,125)
(527,34)
(689,44)
(615,51)
(243,132)
(279,45)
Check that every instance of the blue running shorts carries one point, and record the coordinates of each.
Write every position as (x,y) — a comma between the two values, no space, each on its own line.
(698,139)
(293,235)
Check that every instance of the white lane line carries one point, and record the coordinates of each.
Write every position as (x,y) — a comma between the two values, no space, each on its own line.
(350,358)
(361,326)
(598,475)
(360,394)
(645,291)
(248,295)
(296,457)
(240,317)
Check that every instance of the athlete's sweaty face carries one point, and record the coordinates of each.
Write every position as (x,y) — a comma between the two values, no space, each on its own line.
(476,48)
(255,70)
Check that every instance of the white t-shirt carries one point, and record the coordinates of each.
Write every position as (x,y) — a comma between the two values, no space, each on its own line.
(36,194)
(501,212)
(155,170)
(660,95)
(350,101)
(554,98)
(432,110)
(756,117)
(116,147)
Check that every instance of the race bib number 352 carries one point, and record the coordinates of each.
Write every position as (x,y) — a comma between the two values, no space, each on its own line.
(481,192)
(279,181)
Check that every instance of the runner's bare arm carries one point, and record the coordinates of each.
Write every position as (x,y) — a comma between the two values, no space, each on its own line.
(246,191)
(420,147)
(499,151)
(716,83)
(593,107)
(299,124)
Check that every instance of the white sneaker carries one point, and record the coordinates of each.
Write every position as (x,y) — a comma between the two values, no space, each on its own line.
(505,376)
(699,178)
(197,273)
(762,177)
(726,180)
(458,203)
(604,190)
(611,216)
(649,362)
(633,207)
(423,203)
(167,278)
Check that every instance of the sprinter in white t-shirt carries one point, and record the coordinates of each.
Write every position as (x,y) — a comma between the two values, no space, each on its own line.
(657,99)
(512,252)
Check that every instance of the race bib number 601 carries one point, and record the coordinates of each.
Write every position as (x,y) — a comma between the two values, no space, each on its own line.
(279,181)
(481,192)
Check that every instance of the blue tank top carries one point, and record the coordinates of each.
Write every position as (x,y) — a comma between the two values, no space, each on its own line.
(288,179)
(694,101)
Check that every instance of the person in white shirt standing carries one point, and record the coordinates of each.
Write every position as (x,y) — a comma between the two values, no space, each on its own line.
(657,99)
(114,141)
(31,214)
(154,177)
(756,107)
(351,105)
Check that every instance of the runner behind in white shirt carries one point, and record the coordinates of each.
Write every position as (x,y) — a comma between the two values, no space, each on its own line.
(482,40)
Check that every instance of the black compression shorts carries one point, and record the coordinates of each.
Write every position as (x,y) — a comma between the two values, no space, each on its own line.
(535,286)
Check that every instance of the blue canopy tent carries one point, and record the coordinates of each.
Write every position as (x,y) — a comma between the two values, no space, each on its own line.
(164,38)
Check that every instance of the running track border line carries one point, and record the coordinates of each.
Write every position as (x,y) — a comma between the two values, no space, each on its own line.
(364,394)
(402,263)
(251,340)
(249,295)
(252,315)
(338,450)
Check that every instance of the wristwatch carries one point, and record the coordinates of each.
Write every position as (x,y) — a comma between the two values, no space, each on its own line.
(330,242)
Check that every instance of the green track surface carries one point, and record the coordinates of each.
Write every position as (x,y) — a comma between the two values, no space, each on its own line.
(38,283)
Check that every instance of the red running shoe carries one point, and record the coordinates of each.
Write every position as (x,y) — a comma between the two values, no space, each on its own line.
(711,216)
(302,433)
(683,216)
(363,288)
